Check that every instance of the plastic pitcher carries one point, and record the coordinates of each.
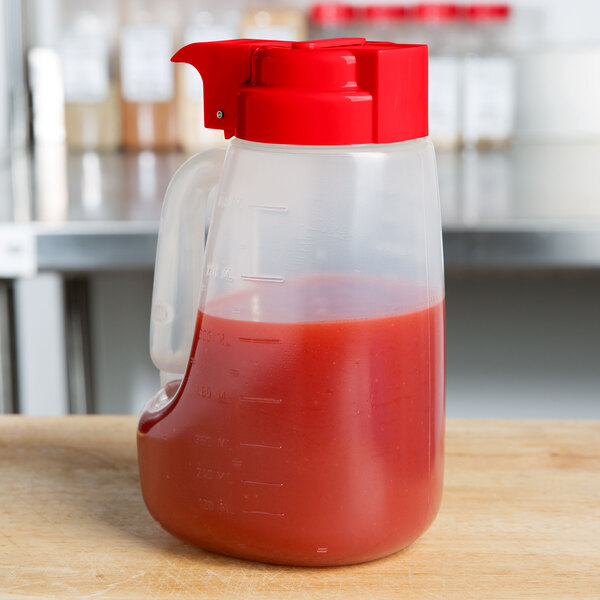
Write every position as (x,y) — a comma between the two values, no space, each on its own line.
(302,349)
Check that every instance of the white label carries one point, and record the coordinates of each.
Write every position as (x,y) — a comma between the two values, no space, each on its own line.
(489,98)
(197,33)
(85,66)
(443,98)
(285,33)
(17,251)
(146,68)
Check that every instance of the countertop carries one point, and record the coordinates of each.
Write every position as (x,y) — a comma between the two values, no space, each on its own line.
(531,206)
(520,518)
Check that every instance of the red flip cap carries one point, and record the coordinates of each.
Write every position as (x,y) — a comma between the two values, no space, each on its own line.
(325,92)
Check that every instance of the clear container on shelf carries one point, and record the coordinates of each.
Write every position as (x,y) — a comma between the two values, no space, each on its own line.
(147,76)
(44,71)
(202,25)
(386,22)
(332,20)
(272,21)
(87,51)
(488,77)
(437,25)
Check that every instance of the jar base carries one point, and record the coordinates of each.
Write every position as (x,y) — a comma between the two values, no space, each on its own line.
(321,558)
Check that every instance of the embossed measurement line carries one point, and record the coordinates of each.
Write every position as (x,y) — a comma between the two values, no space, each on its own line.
(244,445)
(322,550)
(260,399)
(262,512)
(269,207)
(263,278)
(262,483)
(259,340)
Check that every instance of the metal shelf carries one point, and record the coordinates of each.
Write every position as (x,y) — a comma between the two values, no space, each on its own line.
(527,207)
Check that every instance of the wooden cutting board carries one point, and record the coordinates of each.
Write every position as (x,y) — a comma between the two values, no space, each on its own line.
(520,519)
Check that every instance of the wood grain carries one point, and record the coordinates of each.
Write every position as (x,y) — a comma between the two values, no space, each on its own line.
(520,519)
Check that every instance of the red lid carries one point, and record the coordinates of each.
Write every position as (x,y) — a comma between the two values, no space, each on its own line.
(487,12)
(332,14)
(378,13)
(436,12)
(325,92)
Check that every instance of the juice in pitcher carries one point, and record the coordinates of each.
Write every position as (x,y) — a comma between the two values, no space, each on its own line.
(301,351)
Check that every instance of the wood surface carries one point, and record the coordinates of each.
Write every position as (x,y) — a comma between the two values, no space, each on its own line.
(520,519)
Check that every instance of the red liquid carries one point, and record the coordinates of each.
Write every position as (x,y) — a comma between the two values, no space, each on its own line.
(314,443)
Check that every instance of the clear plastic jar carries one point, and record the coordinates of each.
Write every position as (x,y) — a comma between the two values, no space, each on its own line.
(202,25)
(437,25)
(386,22)
(488,77)
(87,51)
(44,72)
(273,21)
(332,20)
(147,75)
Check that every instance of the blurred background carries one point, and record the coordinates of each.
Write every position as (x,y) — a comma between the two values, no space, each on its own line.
(94,120)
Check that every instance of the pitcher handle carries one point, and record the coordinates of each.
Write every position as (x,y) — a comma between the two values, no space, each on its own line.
(179,262)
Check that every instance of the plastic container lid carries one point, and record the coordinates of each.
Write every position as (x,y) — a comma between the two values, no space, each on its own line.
(325,92)
(385,13)
(325,14)
(435,13)
(487,12)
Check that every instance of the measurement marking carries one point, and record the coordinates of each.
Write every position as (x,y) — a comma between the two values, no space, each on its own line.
(258,399)
(260,446)
(263,278)
(322,550)
(269,207)
(259,340)
(263,483)
(234,372)
(262,512)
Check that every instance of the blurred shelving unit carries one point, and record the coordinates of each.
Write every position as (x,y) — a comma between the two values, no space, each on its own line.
(531,206)
(80,229)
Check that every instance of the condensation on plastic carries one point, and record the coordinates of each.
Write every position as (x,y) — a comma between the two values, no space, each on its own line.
(179,260)
(284,212)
